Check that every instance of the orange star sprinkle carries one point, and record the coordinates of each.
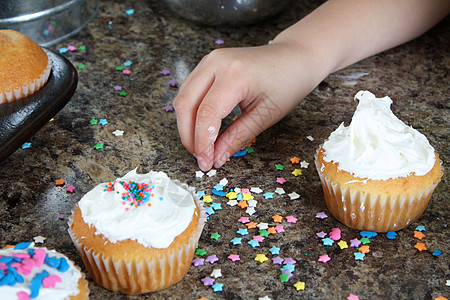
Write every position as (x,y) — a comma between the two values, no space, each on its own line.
(277,218)
(440,298)
(251,225)
(202,298)
(420,246)
(243,204)
(271,230)
(418,234)
(60,181)
(295,160)
(364,249)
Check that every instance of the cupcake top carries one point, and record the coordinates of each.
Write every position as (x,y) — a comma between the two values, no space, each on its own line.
(37,273)
(377,145)
(22,61)
(148,208)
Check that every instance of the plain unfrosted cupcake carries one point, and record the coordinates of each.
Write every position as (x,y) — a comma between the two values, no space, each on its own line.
(33,272)
(24,66)
(138,234)
(377,174)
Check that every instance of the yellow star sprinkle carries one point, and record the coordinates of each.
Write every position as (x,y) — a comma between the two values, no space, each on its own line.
(343,244)
(231,195)
(247,196)
(300,285)
(297,172)
(261,258)
(207,199)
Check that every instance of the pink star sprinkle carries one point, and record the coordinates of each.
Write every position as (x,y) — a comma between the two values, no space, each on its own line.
(234,257)
(352,297)
(258,238)
(281,180)
(70,188)
(279,228)
(245,191)
(71,48)
(324,258)
(198,262)
(126,72)
(291,219)
(321,215)
(244,220)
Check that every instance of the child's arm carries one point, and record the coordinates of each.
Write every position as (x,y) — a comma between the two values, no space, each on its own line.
(269,81)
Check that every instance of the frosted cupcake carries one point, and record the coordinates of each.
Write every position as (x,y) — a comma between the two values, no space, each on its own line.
(138,234)
(377,174)
(28,272)
(24,66)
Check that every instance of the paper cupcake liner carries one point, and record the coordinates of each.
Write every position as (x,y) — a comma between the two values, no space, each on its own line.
(144,276)
(83,286)
(29,89)
(364,211)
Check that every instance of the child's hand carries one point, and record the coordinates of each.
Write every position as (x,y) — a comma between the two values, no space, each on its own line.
(267,82)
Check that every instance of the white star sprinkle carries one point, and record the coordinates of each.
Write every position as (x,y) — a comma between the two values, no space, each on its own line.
(118,132)
(310,138)
(252,203)
(223,182)
(39,239)
(199,174)
(216,273)
(211,173)
(294,195)
(256,190)
(304,164)
(280,191)
(250,210)
(262,226)
(232,202)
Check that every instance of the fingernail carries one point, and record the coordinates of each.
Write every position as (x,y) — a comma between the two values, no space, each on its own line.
(202,164)
(223,159)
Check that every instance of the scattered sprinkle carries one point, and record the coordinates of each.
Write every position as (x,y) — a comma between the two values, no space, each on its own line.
(391,235)
(324,258)
(299,285)
(60,182)
(217,287)
(118,132)
(165,72)
(70,188)
(281,180)
(261,258)
(26,145)
(234,257)
(173,83)
(297,172)
(321,215)
(420,247)
(219,42)
(98,146)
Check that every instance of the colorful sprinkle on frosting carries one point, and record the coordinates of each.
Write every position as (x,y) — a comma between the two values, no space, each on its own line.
(136,194)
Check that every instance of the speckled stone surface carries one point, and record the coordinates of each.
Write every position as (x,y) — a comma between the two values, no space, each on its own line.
(414,75)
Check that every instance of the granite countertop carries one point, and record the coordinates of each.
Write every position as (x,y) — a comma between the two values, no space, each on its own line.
(414,75)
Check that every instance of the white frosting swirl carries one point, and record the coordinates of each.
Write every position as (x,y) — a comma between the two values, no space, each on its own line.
(377,145)
(62,290)
(169,214)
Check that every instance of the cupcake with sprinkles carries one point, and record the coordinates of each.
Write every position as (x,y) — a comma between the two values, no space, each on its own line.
(138,234)
(29,272)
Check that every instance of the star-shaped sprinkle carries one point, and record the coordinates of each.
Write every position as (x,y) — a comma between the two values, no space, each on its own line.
(264,298)
(324,258)
(217,287)
(321,215)
(118,132)
(236,241)
(297,172)
(274,250)
(168,108)
(93,121)
(234,257)
(284,277)
(281,180)
(103,122)
(164,72)
(321,234)
(261,258)
(82,48)
(268,195)
(304,164)
(299,285)
(253,243)
(129,11)
(310,138)
(271,230)
(420,246)
(120,68)
(342,244)
(264,233)
(243,204)
(291,262)
(81,67)
(207,199)
(418,234)
(208,281)
(359,255)
(198,262)
(216,273)
(219,42)
(98,146)
(355,243)
(252,203)
(327,242)
(440,298)
(71,48)
(291,219)
(263,225)
(215,236)
(61,217)
(277,218)
(39,239)
(128,63)
(173,83)
(232,202)
(279,167)
(26,145)
(420,228)
(279,228)
(211,259)
(277,260)
(364,249)
(242,231)
(294,195)
(200,252)
(60,182)
(199,174)
(216,206)
(352,297)
(280,191)
(123,93)
(70,188)
(256,190)
(250,211)
(63,50)
(223,182)
(211,172)
(391,235)
(258,238)
(365,240)
(244,220)
(295,160)
(210,211)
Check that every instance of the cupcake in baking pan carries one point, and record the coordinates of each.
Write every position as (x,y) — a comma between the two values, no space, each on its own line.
(377,174)
(138,234)
(29,272)
(24,66)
